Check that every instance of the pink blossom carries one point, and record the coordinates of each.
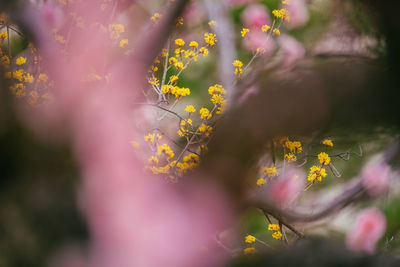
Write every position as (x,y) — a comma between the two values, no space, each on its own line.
(53,15)
(368,229)
(375,178)
(292,50)
(133,220)
(258,39)
(286,188)
(298,14)
(255,16)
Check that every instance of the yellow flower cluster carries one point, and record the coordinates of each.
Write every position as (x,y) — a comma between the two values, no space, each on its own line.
(3,35)
(190,162)
(21,61)
(238,67)
(327,142)
(265,28)
(294,147)
(324,158)
(210,38)
(250,239)
(179,42)
(280,14)
(244,32)
(205,129)
(270,172)
(190,109)
(156,16)
(165,150)
(261,181)
(205,114)
(277,233)
(152,138)
(290,157)
(217,93)
(316,173)
(177,91)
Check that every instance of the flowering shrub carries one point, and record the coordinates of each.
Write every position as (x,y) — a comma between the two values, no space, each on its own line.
(171,131)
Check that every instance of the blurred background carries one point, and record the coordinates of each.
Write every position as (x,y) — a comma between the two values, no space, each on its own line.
(332,73)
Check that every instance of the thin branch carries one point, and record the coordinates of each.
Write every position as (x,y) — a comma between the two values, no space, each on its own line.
(293,216)
(165,109)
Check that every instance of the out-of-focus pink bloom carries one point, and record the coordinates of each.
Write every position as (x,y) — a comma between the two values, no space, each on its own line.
(292,50)
(286,188)
(250,92)
(298,14)
(237,3)
(193,14)
(133,220)
(258,39)
(53,15)
(255,16)
(375,178)
(368,229)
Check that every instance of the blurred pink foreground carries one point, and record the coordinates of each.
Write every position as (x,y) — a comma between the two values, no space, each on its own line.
(134,220)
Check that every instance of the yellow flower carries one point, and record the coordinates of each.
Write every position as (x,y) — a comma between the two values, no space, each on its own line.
(265,28)
(28,78)
(186,122)
(154,81)
(205,114)
(179,65)
(172,60)
(19,74)
(152,138)
(244,32)
(203,51)
(210,38)
(273,227)
(261,182)
(173,78)
(123,43)
(21,60)
(294,147)
(316,173)
(3,35)
(5,61)
(324,158)
(277,235)
(277,32)
(280,14)
(290,157)
(190,109)
(248,251)
(269,171)
(327,142)
(193,44)
(166,150)
(212,23)
(179,21)
(179,42)
(164,52)
(250,239)
(238,63)
(156,17)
